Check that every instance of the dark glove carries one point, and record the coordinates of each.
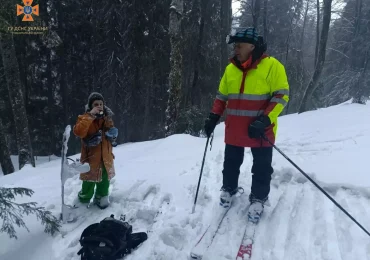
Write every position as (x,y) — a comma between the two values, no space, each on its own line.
(94,140)
(257,128)
(211,123)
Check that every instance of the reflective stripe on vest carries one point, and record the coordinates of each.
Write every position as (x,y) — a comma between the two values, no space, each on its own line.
(221,96)
(279,100)
(282,92)
(250,96)
(237,112)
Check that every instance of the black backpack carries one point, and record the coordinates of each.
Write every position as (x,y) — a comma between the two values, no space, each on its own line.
(110,239)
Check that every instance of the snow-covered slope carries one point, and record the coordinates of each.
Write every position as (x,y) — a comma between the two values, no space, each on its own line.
(156,183)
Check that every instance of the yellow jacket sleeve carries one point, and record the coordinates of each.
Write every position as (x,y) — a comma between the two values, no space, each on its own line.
(219,104)
(83,124)
(279,90)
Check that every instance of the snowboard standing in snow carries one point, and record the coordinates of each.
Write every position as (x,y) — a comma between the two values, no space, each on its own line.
(68,171)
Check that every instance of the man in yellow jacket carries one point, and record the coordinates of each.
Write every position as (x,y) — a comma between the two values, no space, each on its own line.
(254,91)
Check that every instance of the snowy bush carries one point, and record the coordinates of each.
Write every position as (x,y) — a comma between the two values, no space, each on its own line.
(12,213)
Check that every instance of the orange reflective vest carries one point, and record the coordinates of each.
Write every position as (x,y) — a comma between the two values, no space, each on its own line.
(246,93)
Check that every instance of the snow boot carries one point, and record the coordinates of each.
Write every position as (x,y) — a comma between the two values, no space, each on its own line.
(78,202)
(102,202)
(227,195)
(255,209)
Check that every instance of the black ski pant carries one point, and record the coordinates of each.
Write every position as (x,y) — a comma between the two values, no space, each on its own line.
(261,169)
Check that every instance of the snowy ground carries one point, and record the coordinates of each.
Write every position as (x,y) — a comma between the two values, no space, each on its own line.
(156,183)
(38,161)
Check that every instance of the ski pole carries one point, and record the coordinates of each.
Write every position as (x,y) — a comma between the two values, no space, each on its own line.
(210,144)
(200,175)
(318,186)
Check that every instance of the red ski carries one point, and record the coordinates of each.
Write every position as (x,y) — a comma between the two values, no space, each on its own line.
(246,246)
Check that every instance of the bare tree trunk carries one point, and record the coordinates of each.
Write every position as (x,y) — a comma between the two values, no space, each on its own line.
(147,101)
(51,90)
(11,68)
(226,17)
(175,77)
(301,62)
(256,12)
(361,93)
(356,63)
(358,89)
(286,57)
(62,56)
(195,93)
(51,108)
(265,29)
(304,28)
(94,46)
(358,17)
(288,41)
(5,161)
(149,89)
(317,31)
(321,57)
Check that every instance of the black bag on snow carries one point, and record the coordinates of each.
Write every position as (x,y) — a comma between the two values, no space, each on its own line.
(110,239)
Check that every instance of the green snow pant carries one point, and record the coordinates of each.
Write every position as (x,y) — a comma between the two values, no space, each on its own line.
(102,188)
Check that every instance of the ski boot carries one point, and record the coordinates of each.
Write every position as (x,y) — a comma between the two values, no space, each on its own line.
(256,208)
(227,195)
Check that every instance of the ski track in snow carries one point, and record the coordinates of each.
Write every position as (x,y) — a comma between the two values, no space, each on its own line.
(313,227)
(348,233)
(301,222)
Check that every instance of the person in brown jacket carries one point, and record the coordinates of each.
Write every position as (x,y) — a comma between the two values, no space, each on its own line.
(93,127)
